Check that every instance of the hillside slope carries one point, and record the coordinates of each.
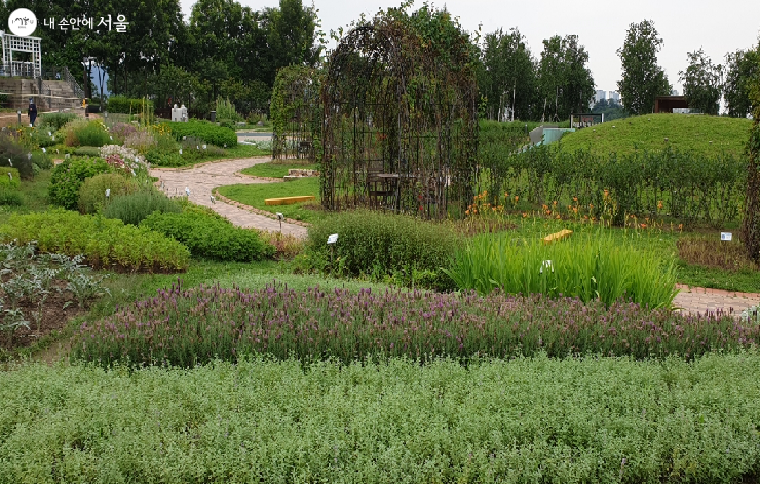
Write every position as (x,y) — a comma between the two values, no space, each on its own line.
(648,132)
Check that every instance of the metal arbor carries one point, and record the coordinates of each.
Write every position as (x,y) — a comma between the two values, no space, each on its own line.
(401,122)
(295,112)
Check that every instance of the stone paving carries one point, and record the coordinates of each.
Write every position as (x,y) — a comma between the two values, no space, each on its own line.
(701,300)
(203,178)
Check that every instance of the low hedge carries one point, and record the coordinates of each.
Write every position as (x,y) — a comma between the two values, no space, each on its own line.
(523,421)
(119,104)
(404,248)
(67,178)
(209,237)
(11,197)
(106,243)
(208,132)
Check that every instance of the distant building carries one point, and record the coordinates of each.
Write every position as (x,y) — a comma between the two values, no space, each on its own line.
(674,93)
(600,95)
(613,97)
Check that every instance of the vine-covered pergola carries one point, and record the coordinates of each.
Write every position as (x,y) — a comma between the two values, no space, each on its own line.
(295,112)
(401,121)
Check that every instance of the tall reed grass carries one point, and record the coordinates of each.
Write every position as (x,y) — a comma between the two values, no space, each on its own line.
(591,266)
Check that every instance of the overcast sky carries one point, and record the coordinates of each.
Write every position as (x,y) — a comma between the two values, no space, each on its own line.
(684,25)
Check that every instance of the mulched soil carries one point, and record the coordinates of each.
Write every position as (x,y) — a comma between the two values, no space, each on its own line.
(53,317)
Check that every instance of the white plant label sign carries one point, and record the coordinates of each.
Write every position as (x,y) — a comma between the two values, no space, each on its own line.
(725,236)
(180,151)
(332,239)
(43,150)
(279,216)
(108,193)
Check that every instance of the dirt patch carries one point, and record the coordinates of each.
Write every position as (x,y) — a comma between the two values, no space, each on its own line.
(59,307)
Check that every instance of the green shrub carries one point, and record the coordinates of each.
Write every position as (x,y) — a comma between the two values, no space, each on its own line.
(10,197)
(518,421)
(133,208)
(56,121)
(208,132)
(92,194)
(68,177)
(227,124)
(590,267)
(226,111)
(14,154)
(88,151)
(409,250)
(106,243)
(209,237)
(9,178)
(92,134)
(118,104)
(42,161)
(160,158)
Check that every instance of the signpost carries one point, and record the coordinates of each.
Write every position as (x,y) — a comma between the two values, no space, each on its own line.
(725,236)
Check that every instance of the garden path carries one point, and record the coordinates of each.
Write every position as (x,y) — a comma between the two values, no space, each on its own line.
(701,300)
(203,178)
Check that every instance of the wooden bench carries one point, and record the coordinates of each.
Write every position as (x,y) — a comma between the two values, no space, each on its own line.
(557,236)
(288,200)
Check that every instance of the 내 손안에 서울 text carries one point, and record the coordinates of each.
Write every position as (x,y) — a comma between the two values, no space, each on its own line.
(77,23)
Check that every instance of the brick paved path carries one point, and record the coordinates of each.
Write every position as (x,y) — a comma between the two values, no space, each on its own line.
(701,300)
(203,178)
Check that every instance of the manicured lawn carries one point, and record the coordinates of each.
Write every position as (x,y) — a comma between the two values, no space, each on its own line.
(277,169)
(709,135)
(254,195)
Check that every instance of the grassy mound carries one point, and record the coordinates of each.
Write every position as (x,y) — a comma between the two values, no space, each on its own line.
(708,135)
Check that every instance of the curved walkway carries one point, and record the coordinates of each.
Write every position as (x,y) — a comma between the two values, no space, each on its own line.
(203,178)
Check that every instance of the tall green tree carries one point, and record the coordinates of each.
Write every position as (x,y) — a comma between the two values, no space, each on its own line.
(702,83)
(508,78)
(741,67)
(643,80)
(566,85)
(751,227)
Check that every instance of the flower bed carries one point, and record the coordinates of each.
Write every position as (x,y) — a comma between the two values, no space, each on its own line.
(190,327)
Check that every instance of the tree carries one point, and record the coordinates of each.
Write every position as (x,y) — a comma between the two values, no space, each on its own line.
(565,83)
(643,80)
(508,77)
(702,83)
(741,66)
(610,109)
(751,228)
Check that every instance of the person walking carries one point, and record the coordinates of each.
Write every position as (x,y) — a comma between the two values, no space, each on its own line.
(32,112)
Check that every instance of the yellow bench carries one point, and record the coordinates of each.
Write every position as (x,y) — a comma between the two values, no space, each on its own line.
(288,200)
(557,236)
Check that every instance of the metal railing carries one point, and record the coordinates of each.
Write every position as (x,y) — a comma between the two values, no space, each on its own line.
(19,69)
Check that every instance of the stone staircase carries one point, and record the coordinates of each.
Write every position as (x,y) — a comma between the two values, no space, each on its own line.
(55,95)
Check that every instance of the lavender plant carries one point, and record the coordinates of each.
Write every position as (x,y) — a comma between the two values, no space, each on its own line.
(188,327)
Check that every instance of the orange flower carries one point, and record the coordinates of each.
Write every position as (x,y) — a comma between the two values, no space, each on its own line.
(659,204)
(525,214)
(575,199)
(591,206)
(506,194)
(467,212)
(606,193)
(544,206)
(517,198)
(555,202)
(559,217)
(643,226)
(680,227)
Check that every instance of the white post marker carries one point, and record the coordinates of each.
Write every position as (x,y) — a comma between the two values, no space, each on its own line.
(180,151)
(50,134)
(111,137)
(187,191)
(52,138)
(29,156)
(10,162)
(213,199)
(279,218)
(184,137)
(204,147)
(43,150)
(725,236)
(108,193)
(10,176)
